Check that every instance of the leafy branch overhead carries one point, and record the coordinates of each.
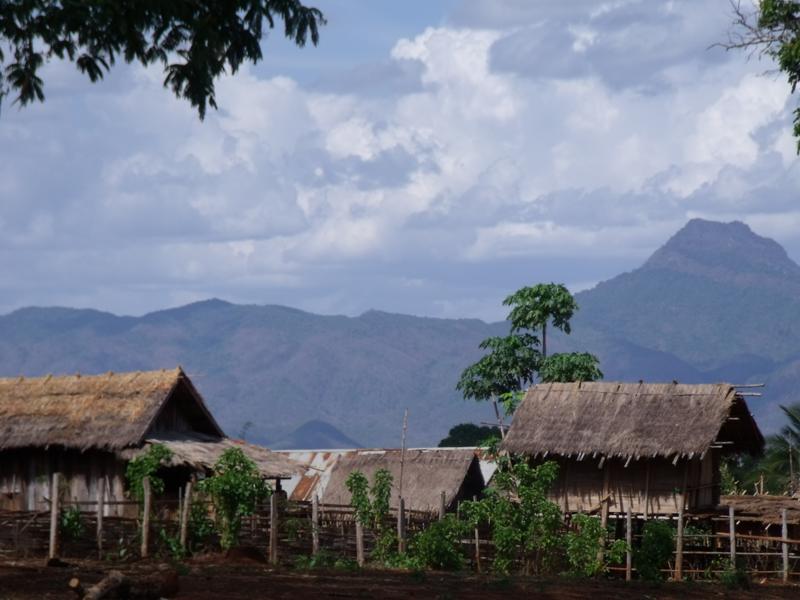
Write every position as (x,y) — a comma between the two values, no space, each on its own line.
(195,40)
(771,28)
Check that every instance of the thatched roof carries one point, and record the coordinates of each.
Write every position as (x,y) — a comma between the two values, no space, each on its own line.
(110,411)
(631,420)
(200,452)
(426,474)
(764,509)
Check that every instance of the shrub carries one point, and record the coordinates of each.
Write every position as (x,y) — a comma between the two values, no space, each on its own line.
(371,507)
(146,465)
(235,489)
(71,523)
(439,545)
(584,544)
(655,550)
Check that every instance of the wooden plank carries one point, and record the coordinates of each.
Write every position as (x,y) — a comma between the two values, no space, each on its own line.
(100,510)
(732,534)
(359,543)
(273,529)
(679,545)
(401,527)
(785,545)
(148,499)
(629,544)
(54,511)
(185,512)
(442,505)
(315,525)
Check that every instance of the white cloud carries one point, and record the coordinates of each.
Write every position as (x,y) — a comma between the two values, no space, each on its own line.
(516,134)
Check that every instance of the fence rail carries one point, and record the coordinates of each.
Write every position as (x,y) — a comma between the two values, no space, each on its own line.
(284,531)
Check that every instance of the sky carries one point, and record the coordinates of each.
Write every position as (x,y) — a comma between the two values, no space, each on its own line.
(428,157)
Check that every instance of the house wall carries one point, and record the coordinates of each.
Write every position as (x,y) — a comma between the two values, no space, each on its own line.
(26,478)
(650,487)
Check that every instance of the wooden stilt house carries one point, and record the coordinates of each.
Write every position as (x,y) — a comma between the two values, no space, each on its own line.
(87,428)
(647,448)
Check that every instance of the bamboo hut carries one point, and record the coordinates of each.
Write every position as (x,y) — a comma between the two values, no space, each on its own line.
(88,427)
(647,448)
(426,473)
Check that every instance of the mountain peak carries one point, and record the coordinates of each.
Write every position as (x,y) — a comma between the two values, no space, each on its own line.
(716,249)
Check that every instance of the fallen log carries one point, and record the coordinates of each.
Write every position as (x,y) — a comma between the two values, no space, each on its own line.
(116,585)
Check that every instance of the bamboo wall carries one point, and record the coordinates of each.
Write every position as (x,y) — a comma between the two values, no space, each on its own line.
(26,478)
(645,487)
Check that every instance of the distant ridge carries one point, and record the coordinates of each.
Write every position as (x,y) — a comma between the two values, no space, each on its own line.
(315,435)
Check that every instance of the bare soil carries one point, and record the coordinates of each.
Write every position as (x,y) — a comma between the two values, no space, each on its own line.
(206,579)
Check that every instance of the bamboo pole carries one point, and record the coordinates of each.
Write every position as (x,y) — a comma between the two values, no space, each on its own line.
(273,529)
(359,543)
(732,534)
(187,510)
(101,489)
(679,545)
(629,544)
(146,517)
(442,506)
(54,511)
(785,545)
(401,527)
(315,525)
(402,455)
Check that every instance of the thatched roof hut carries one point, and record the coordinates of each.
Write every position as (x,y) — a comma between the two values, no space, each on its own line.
(644,447)
(427,472)
(632,420)
(88,428)
(109,412)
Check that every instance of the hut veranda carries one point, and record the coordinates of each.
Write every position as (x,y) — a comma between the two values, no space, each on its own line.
(645,448)
(87,428)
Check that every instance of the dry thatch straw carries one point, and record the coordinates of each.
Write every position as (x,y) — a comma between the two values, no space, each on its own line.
(426,474)
(110,411)
(763,508)
(631,420)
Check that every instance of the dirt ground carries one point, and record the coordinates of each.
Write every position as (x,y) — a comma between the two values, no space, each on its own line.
(202,580)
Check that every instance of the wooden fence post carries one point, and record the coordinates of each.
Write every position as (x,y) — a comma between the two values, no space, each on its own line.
(315,525)
(359,543)
(629,544)
(187,509)
(148,497)
(679,546)
(477,544)
(54,511)
(273,529)
(401,527)
(732,534)
(785,545)
(101,492)
(442,506)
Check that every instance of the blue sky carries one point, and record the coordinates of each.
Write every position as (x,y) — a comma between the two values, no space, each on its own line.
(426,158)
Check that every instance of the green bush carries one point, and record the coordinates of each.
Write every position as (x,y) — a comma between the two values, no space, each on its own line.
(655,550)
(439,545)
(71,523)
(583,546)
(235,489)
(371,508)
(146,465)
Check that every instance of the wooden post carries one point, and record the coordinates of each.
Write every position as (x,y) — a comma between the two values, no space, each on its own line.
(401,527)
(273,529)
(732,534)
(442,506)
(315,525)
(785,545)
(187,510)
(477,544)
(606,500)
(629,543)
(146,517)
(54,511)
(101,489)
(402,455)
(359,543)
(679,545)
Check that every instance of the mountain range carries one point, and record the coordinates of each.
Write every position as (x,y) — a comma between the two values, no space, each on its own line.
(716,302)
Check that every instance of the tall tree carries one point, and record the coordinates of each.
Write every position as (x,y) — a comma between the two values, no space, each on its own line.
(570,366)
(532,308)
(195,40)
(770,28)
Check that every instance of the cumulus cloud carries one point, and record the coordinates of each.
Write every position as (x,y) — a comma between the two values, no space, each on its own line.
(511,142)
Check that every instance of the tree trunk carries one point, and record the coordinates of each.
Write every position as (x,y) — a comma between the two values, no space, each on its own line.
(544,340)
